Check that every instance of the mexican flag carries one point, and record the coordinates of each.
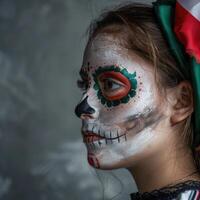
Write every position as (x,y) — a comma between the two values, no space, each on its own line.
(187,30)
(180,23)
(187,26)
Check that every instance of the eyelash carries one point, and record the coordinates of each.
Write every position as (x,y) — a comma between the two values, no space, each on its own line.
(83,85)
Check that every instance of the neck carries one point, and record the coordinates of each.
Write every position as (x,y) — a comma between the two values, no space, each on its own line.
(175,165)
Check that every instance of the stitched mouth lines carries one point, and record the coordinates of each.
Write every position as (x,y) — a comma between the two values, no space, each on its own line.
(92,133)
(89,137)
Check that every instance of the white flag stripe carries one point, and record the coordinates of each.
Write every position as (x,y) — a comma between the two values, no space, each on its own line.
(192,6)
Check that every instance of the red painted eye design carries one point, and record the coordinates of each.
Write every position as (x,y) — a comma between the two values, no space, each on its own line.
(114,85)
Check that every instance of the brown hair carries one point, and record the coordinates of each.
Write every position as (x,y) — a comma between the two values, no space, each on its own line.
(136,26)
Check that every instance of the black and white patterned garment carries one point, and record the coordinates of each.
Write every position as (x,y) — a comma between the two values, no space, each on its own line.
(189,190)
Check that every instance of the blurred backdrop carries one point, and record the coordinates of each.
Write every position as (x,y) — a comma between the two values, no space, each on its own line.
(42,156)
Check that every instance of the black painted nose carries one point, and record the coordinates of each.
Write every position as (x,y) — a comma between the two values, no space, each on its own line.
(83,108)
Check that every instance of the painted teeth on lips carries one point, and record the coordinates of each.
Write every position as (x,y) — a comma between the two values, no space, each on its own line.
(89,137)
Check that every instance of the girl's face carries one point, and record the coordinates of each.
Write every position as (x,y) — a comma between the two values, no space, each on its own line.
(121,109)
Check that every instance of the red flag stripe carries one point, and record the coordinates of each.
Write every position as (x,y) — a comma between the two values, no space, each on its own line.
(192,6)
(198,196)
(187,29)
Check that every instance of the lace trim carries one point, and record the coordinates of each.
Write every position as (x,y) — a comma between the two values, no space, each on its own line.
(167,193)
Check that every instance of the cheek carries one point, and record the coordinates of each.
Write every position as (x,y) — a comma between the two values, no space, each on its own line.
(114,115)
(127,153)
(144,99)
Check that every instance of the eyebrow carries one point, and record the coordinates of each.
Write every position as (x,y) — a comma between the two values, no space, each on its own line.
(82,74)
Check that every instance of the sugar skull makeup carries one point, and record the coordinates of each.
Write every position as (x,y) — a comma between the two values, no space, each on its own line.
(114,85)
(119,108)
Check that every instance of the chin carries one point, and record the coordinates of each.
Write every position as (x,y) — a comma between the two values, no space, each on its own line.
(103,162)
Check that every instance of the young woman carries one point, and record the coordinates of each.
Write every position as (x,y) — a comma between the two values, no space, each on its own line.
(138,103)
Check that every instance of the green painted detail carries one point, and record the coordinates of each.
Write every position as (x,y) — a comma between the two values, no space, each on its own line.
(96,87)
(129,76)
(109,103)
(132,93)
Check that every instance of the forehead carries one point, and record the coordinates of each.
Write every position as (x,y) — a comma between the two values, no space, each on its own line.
(105,50)
(102,49)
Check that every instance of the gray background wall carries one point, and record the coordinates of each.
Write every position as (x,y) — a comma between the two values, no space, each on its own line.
(41,153)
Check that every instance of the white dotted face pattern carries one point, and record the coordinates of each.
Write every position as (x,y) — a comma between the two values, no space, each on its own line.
(122,92)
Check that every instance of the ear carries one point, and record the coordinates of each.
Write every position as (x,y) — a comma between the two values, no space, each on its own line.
(183,104)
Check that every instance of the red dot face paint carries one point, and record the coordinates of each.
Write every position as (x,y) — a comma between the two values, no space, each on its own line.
(93,161)
(114,85)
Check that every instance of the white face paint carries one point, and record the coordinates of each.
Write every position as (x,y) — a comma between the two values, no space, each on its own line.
(122,125)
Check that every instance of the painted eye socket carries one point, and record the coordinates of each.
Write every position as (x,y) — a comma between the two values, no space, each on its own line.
(114,85)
